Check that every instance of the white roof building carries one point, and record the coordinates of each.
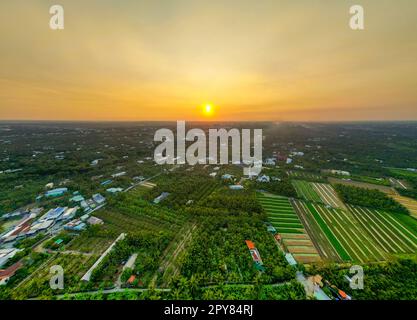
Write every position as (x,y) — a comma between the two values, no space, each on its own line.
(114,190)
(94,220)
(98,198)
(270,162)
(297,153)
(119,174)
(6,254)
(263,178)
(69,213)
(49,185)
(40,226)
(236,187)
(340,172)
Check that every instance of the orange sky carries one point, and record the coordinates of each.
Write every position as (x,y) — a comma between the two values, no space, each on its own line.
(163,60)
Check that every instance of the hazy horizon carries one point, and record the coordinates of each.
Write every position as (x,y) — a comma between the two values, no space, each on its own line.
(140,61)
(211,121)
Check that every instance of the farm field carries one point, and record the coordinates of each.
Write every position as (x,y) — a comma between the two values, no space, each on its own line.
(205,191)
(281,214)
(136,215)
(321,242)
(131,213)
(387,230)
(382,188)
(88,243)
(399,183)
(404,172)
(346,234)
(295,238)
(172,257)
(371,180)
(301,175)
(116,222)
(74,265)
(409,203)
(306,191)
(301,247)
(328,195)
(148,184)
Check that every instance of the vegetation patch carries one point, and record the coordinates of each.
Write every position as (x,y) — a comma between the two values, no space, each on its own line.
(369,198)
(219,254)
(393,280)
(306,191)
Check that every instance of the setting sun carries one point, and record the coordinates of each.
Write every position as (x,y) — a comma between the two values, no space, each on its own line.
(208,109)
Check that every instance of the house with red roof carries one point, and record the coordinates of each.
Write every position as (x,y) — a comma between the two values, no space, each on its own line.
(6,274)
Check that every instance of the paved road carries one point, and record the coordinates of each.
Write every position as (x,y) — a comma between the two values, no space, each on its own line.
(107,291)
(114,290)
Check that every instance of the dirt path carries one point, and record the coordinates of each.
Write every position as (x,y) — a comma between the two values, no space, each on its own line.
(169,260)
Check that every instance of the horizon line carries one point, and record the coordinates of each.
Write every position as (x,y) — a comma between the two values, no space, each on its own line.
(214,121)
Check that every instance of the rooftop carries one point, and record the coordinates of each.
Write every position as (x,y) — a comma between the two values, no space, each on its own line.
(10,271)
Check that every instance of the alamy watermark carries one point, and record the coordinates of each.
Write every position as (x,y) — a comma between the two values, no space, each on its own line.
(56,22)
(57,277)
(356,21)
(356,281)
(196,153)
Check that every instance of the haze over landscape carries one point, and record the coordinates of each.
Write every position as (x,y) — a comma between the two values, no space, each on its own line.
(166,60)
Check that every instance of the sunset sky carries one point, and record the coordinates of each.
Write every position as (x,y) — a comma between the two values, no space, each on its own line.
(166,59)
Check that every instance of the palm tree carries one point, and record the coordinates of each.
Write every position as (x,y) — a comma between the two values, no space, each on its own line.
(183,284)
(176,294)
(194,285)
(209,295)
